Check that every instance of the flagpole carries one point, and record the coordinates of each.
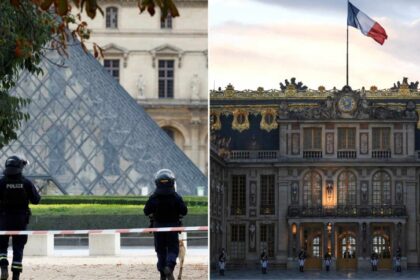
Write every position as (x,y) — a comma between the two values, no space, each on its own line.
(347,51)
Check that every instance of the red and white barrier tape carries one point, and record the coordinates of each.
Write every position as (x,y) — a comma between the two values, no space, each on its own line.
(89,231)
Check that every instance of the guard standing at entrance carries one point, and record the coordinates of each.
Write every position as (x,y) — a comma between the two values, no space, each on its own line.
(166,207)
(222,262)
(374,259)
(302,257)
(16,192)
(398,260)
(264,262)
(327,259)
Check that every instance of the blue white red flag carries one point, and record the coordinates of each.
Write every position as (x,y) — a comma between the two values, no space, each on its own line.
(367,26)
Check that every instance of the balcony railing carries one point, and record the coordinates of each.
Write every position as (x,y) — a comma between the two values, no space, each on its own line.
(260,155)
(346,154)
(381,154)
(348,211)
(312,154)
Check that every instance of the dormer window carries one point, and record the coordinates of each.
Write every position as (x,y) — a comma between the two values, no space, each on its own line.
(112,17)
(167,22)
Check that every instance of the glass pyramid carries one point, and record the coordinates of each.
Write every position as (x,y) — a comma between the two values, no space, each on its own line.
(87,135)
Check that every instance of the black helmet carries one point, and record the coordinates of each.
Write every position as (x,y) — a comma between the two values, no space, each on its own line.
(165,181)
(14,165)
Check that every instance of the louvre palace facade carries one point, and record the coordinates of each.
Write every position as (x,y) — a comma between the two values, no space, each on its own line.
(324,171)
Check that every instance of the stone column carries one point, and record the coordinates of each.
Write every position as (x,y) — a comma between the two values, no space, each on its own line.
(195,140)
(291,242)
(360,241)
(324,240)
(368,240)
(333,240)
(298,235)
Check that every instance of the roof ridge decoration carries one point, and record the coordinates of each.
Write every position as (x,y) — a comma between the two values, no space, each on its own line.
(89,136)
(400,90)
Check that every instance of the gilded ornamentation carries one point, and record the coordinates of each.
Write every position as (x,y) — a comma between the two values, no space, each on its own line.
(240,120)
(215,123)
(321,88)
(268,119)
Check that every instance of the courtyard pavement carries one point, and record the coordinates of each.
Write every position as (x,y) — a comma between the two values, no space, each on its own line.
(283,274)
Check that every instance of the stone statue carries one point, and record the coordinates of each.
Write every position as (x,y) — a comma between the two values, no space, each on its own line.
(195,87)
(141,85)
(252,236)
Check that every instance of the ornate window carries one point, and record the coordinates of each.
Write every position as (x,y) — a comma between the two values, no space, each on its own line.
(267,239)
(346,138)
(381,190)
(166,78)
(312,190)
(237,241)
(346,188)
(316,247)
(113,67)
(381,138)
(111,17)
(267,194)
(312,138)
(238,202)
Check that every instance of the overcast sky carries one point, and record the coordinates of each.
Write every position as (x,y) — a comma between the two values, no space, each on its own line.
(262,42)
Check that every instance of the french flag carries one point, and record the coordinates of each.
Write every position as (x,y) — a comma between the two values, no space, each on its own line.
(367,26)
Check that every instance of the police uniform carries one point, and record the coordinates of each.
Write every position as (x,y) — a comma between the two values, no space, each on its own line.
(166,208)
(16,192)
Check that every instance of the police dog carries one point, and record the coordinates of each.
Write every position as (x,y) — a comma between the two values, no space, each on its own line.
(181,257)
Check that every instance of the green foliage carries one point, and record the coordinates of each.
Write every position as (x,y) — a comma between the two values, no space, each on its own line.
(23,33)
(99,209)
(108,200)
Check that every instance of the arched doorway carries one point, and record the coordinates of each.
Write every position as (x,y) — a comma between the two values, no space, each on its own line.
(346,251)
(381,245)
(312,244)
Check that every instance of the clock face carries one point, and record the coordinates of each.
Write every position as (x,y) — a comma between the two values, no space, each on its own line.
(347,104)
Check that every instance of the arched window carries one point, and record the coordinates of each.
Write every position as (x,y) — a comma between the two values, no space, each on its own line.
(312,192)
(316,247)
(112,17)
(381,246)
(381,190)
(348,247)
(346,188)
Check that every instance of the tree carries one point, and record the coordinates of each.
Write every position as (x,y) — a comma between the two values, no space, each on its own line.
(29,28)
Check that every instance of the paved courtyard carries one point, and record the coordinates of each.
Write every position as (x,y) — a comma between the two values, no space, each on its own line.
(282,274)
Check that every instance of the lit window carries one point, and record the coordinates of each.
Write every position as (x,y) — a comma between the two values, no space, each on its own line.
(346,188)
(312,192)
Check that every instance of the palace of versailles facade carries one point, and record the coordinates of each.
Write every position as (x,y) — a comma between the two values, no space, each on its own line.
(317,170)
(163,65)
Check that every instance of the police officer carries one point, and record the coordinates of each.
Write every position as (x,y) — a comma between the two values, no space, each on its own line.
(166,207)
(16,192)
(264,262)
(222,262)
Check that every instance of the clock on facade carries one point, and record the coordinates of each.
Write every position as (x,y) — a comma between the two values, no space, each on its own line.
(347,104)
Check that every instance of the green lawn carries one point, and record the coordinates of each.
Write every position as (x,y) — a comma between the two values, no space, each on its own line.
(98,209)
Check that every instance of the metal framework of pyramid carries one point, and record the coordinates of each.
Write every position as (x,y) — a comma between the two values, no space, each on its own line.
(87,135)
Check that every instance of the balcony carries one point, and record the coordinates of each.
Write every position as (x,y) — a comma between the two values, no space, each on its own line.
(256,155)
(347,211)
(346,154)
(312,154)
(381,154)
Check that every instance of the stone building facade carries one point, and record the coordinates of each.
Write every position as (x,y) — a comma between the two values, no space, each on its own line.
(322,171)
(163,65)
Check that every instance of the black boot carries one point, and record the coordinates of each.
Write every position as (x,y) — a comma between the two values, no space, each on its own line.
(16,275)
(222,272)
(168,273)
(4,273)
(162,275)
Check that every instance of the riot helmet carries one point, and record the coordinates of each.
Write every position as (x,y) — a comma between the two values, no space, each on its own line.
(165,181)
(14,165)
